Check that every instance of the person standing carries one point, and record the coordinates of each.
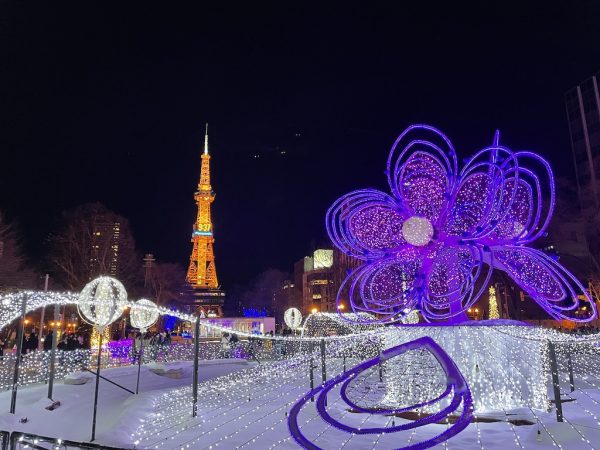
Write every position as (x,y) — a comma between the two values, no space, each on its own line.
(33,342)
(25,345)
(137,347)
(48,340)
(225,345)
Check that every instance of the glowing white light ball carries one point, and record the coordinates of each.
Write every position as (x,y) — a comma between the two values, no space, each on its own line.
(411,318)
(293,318)
(101,301)
(417,231)
(143,314)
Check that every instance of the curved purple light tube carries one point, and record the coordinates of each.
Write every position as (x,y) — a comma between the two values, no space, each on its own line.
(455,384)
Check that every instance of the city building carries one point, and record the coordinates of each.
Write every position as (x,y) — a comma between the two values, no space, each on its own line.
(583,115)
(313,276)
(317,280)
(287,296)
(208,298)
(106,237)
(343,264)
(253,325)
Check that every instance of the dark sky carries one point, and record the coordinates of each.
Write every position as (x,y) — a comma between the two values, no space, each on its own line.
(107,103)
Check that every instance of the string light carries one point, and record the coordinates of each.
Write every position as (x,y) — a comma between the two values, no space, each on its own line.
(102,301)
(292,318)
(493,304)
(143,314)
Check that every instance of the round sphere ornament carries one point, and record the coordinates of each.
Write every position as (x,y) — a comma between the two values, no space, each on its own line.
(101,301)
(143,314)
(417,231)
(293,318)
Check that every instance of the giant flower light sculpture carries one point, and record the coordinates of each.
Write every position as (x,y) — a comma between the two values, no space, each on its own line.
(432,245)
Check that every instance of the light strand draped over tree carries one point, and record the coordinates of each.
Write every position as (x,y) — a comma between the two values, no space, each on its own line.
(493,304)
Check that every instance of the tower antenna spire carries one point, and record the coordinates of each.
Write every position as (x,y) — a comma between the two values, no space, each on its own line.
(206,140)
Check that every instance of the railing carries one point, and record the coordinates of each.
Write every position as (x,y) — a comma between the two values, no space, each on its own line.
(35,366)
(20,441)
(4,437)
(566,360)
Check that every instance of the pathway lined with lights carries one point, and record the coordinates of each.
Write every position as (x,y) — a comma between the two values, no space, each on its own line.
(249,410)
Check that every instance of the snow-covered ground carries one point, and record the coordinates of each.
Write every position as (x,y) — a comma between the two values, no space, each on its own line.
(244,405)
(119,412)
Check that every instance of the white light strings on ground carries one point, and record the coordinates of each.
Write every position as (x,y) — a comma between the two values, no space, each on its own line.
(261,420)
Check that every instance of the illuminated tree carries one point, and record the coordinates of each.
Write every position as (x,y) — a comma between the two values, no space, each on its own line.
(493,304)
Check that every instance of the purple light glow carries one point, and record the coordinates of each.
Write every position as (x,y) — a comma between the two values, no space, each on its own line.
(456,387)
(482,218)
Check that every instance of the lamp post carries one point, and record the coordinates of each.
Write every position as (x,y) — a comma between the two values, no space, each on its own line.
(53,351)
(143,315)
(41,332)
(13,398)
(100,303)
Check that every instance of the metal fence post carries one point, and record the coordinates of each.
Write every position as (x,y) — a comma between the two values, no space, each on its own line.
(323,366)
(53,352)
(195,374)
(13,398)
(100,333)
(140,356)
(311,367)
(570,367)
(555,381)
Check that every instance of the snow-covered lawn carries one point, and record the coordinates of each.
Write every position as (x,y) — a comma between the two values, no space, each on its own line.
(119,412)
(244,405)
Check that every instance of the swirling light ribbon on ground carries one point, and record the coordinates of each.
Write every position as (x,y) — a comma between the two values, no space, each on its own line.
(432,245)
(455,385)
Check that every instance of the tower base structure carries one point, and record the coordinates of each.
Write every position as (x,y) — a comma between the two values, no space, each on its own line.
(204,302)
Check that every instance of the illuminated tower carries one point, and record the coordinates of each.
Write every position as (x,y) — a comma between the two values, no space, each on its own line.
(202,272)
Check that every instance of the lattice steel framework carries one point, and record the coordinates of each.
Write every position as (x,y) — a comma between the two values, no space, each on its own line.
(202,272)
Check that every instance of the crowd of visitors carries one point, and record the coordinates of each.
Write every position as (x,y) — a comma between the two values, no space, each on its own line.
(149,344)
(581,330)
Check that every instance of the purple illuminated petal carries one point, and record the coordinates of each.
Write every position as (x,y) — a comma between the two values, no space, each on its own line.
(377,227)
(421,171)
(552,286)
(519,211)
(384,287)
(471,207)
(365,224)
(423,186)
(538,174)
(451,278)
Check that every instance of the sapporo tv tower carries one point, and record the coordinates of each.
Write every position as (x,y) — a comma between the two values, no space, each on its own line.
(202,272)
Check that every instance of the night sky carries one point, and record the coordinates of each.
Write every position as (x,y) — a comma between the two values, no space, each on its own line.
(108,103)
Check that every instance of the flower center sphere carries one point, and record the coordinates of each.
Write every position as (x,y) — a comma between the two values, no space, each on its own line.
(417,231)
